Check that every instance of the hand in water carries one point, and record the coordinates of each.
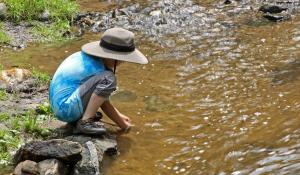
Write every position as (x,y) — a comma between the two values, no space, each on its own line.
(127,122)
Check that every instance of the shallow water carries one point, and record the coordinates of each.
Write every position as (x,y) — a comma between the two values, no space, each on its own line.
(220,100)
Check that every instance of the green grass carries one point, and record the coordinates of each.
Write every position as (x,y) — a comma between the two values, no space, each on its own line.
(3,117)
(19,127)
(61,13)
(42,78)
(31,9)
(32,124)
(9,141)
(4,38)
(45,109)
(3,95)
(52,32)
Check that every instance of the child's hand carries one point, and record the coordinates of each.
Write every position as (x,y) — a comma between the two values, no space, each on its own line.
(127,119)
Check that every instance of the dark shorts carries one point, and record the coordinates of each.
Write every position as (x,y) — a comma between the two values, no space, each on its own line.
(102,84)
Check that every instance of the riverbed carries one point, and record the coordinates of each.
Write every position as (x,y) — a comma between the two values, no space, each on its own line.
(222,99)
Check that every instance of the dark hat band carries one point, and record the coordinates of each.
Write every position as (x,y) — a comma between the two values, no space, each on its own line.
(115,47)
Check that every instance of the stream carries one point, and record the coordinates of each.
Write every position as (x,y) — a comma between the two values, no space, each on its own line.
(219,96)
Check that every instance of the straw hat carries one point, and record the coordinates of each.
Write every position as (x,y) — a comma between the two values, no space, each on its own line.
(117,44)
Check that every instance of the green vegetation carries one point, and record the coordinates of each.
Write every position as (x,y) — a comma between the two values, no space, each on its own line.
(42,78)
(53,32)
(3,95)
(32,124)
(3,117)
(58,12)
(9,141)
(4,38)
(32,9)
(15,128)
(44,109)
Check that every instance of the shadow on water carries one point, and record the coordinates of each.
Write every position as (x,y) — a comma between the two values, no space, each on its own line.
(287,73)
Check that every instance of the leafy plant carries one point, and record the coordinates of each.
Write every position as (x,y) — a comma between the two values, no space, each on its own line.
(44,108)
(32,125)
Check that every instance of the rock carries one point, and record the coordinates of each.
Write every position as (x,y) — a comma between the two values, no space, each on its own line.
(124,96)
(89,163)
(17,80)
(52,167)
(156,13)
(3,10)
(82,139)
(271,9)
(276,18)
(156,103)
(106,145)
(30,167)
(18,169)
(15,75)
(64,150)
(26,168)
(227,2)
(45,16)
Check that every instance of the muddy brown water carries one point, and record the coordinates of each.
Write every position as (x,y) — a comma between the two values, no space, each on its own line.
(225,102)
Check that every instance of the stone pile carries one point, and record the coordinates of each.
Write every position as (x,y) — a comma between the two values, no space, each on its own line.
(75,155)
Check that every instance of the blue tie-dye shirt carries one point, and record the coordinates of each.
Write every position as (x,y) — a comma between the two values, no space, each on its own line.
(64,88)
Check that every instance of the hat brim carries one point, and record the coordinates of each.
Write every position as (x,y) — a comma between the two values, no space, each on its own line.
(94,49)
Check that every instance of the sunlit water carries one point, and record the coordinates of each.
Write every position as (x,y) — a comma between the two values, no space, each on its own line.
(223,99)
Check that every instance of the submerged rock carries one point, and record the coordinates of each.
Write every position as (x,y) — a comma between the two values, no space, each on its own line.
(64,150)
(124,96)
(156,103)
(272,9)
(275,18)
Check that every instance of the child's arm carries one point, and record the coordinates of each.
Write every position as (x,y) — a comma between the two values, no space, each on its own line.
(120,119)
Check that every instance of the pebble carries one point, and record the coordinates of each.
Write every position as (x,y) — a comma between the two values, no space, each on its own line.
(156,13)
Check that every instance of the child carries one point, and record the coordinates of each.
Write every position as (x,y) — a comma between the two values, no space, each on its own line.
(84,81)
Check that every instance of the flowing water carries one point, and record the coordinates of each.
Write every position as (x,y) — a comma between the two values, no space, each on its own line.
(220,99)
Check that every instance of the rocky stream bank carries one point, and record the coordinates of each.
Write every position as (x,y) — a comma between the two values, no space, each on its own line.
(57,152)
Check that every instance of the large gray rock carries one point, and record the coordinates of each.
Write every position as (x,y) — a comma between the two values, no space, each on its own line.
(64,150)
(89,163)
(94,149)
(52,167)
(3,10)
(107,145)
